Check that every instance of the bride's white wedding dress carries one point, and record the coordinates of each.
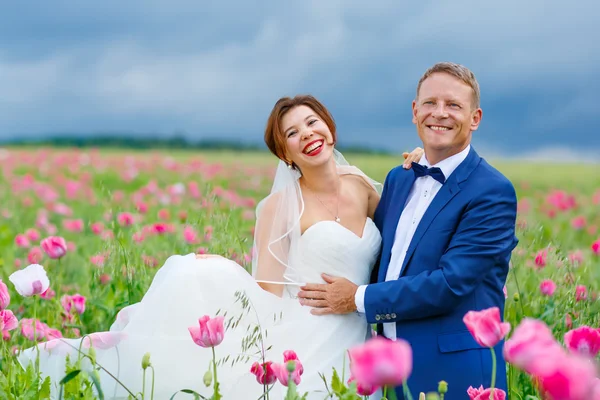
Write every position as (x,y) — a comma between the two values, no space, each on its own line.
(186,288)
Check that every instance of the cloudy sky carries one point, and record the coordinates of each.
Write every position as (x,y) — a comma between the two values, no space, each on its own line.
(215,69)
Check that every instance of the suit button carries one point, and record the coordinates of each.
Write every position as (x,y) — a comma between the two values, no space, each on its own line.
(377,318)
(387,316)
(393,316)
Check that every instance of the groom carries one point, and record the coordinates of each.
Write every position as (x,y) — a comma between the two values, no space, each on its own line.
(447,237)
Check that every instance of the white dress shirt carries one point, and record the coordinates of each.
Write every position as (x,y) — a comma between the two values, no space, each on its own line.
(420,197)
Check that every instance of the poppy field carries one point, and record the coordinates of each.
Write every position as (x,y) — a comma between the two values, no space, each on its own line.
(101,222)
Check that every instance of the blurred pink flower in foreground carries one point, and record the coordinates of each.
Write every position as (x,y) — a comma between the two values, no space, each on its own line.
(209,332)
(380,362)
(560,375)
(486,326)
(530,340)
(54,246)
(565,376)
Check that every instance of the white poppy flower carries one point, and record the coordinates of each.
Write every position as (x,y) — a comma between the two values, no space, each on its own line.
(31,280)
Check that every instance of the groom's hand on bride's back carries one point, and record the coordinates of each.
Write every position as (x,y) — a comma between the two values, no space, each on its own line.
(334,297)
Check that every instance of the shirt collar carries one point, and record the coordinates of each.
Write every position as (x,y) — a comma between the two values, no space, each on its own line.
(448,165)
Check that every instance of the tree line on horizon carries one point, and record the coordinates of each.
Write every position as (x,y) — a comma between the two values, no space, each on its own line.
(174,142)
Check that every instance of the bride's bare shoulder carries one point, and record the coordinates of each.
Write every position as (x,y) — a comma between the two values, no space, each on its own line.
(359,184)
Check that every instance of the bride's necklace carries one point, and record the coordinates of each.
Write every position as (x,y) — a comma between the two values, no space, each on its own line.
(337,210)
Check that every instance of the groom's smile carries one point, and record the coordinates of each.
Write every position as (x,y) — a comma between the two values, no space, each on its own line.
(439,128)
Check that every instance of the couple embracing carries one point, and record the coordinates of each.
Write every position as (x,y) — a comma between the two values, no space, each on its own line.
(335,253)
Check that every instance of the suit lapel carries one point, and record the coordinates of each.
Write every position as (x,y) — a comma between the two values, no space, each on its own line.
(444,195)
(397,203)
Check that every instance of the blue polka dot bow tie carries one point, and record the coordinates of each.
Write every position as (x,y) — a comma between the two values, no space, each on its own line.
(434,172)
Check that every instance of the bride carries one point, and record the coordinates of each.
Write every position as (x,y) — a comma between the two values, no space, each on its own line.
(316,220)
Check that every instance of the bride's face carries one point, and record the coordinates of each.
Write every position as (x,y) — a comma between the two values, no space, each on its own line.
(309,141)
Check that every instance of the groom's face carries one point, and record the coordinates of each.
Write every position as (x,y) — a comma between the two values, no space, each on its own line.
(445,116)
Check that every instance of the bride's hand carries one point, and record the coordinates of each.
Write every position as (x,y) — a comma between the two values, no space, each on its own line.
(413,156)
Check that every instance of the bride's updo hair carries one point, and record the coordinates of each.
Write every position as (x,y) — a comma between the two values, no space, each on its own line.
(274,135)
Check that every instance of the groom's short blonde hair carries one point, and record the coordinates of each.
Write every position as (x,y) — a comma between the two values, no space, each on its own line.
(458,71)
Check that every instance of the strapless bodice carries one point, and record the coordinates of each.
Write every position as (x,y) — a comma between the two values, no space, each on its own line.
(329,247)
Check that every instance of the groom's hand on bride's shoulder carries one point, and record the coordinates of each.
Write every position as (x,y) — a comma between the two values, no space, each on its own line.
(334,297)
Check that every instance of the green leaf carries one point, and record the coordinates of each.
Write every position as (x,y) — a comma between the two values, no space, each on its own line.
(69,376)
(337,385)
(45,389)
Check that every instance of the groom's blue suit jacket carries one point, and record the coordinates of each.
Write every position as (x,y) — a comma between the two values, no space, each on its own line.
(457,261)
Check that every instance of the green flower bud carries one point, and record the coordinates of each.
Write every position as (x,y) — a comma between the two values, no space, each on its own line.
(290,366)
(432,396)
(442,387)
(516,297)
(92,354)
(146,361)
(207,378)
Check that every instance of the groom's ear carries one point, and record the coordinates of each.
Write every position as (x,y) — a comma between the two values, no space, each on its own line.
(476,119)
(414,111)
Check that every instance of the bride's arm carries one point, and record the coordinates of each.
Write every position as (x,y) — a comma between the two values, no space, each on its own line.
(413,156)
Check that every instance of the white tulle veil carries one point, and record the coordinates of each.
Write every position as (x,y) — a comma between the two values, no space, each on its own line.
(278,232)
